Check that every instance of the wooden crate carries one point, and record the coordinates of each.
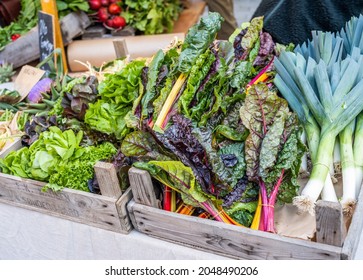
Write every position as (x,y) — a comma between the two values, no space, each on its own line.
(26,49)
(107,211)
(187,18)
(238,242)
(13,146)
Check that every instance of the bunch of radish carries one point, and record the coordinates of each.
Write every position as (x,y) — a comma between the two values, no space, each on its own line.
(108,12)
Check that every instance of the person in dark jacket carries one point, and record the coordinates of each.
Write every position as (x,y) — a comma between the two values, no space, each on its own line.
(291,21)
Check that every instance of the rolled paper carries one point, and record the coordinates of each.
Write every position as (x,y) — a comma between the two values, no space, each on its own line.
(99,51)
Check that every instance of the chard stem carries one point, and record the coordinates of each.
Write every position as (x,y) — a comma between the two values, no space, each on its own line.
(264,203)
(212,212)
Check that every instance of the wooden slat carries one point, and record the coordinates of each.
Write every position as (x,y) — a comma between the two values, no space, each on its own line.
(16,145)
(107,179)
(142,187)
(330,226)
(189,17)
(130,210)
(78,206)
(355,230)
(121,206)
(223,239)
(120,48)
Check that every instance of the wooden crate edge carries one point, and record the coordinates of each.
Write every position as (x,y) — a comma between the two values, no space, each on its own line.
(123,225)
(12,147)
(223,239)
(355,229)
(121,206)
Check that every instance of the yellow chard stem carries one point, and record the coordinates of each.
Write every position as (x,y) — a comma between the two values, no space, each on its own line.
(170,100)
(256,219)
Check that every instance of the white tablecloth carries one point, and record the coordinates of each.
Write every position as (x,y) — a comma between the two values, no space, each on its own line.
(26,234)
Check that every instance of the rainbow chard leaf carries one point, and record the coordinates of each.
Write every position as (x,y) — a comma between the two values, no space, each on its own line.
(178,138)
(273,149)
(143,146)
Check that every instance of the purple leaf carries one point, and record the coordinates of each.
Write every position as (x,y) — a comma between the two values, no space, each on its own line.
(35,94)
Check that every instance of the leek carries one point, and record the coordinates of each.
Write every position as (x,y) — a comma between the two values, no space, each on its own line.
(332,110)
(334,79)
(358,152)
(348,169)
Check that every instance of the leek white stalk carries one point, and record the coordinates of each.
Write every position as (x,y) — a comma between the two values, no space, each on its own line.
(348,200)
(304,159)
(358,153)
(336,158)
(328,193)
(312,190)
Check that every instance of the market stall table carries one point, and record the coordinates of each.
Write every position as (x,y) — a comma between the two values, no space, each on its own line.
(28,234)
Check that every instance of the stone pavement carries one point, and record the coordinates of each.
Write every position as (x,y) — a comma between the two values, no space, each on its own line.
(243,9)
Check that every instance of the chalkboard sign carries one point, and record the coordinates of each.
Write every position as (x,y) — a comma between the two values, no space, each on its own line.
(46,36)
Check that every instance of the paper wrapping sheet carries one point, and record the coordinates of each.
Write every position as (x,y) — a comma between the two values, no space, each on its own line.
(99,51)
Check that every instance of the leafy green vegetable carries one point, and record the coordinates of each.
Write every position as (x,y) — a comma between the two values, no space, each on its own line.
(57,158)
(151,17)
(246,40)
(9,96)
(122,87)
(107,118)
(76,173)
(242,212)
(198,39)
(227,173)
(171,61)
(65,7)
(273,149)
(150,93)
(118,92)
(142,145)
(197,74)
(231,126)
(75,101)
(27,19)
(6,71)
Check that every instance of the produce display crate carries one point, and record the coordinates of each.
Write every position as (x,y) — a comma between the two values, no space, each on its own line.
(13,146)
(332,240)
(107,211)
(187,18)
(26,49)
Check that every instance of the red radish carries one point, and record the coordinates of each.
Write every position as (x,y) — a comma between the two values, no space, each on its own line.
(118,22)
(15,36)
(109,23)
(114,9)
(94,4)
(102,14)
(115,1)
(105,3)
